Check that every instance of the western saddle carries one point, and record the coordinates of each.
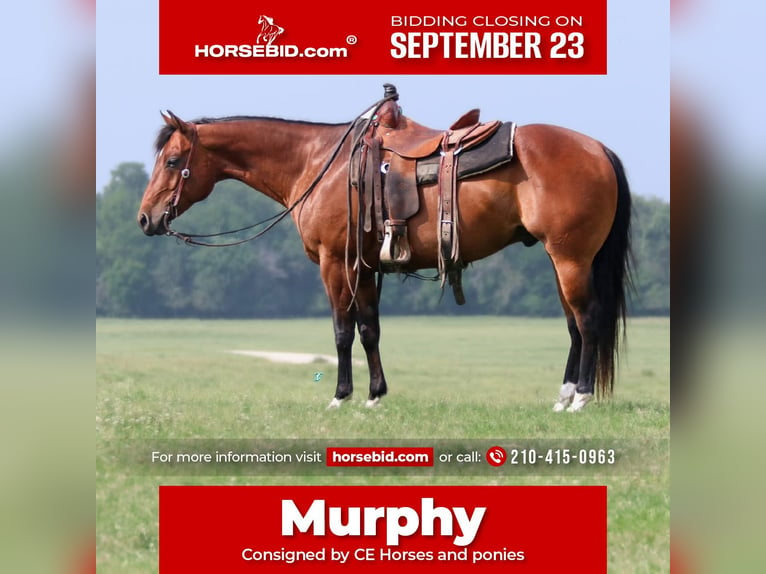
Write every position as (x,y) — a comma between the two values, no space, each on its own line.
(391,147)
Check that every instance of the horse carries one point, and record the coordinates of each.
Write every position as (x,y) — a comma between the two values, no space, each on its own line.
(269,30)
(562,188)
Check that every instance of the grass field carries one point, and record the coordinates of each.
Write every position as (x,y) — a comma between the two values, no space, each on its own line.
(449,378)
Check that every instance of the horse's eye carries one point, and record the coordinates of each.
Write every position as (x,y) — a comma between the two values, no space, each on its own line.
(172,162)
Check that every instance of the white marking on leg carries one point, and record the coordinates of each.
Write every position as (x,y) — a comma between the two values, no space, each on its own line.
(335,403)
(372,403)
(566,394)
(580,400)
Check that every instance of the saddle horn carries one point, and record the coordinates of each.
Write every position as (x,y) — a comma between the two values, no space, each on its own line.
(389,91)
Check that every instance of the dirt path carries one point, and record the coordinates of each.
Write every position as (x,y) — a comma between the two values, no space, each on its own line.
(293,358)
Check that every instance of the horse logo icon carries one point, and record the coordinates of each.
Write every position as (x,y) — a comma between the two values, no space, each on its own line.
(269,30)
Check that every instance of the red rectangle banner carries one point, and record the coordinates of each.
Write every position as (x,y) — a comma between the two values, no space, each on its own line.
(242,37)
(232,529)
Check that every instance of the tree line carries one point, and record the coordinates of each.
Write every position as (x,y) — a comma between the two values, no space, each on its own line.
(139,276)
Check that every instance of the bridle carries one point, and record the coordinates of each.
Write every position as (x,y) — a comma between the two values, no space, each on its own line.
(191,239)
(171,211)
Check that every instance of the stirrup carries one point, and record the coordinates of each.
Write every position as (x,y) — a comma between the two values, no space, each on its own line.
(395,251)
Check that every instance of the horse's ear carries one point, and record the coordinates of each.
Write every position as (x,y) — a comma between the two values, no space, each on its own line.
(170,118)
(174,121)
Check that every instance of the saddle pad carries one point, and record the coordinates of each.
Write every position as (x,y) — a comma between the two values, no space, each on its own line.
(486,156)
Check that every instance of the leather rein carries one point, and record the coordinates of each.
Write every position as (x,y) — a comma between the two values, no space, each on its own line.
(192,238)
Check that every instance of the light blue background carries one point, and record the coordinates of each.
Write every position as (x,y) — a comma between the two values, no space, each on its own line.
(627,109)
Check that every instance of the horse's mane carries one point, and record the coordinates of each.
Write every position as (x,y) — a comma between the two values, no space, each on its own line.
(167,130)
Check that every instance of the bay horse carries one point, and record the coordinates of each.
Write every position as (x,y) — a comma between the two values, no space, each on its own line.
(562,188)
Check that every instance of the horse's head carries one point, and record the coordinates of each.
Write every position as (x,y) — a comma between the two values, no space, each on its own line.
(182,176)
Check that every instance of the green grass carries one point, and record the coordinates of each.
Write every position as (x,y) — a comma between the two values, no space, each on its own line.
(449,378)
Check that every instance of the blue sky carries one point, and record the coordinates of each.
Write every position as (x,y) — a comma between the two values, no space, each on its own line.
(627,109)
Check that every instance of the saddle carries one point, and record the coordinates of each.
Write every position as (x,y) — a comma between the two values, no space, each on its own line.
(395,153)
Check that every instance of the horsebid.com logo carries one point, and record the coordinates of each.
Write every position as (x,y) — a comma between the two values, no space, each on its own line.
(269,30)
(265,47)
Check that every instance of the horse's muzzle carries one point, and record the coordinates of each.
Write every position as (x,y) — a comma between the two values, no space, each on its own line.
(149,227)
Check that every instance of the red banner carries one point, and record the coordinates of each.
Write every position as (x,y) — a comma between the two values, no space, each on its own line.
(242,37)
(232,529)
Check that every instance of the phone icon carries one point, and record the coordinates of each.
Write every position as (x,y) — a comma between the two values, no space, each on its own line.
(496,456)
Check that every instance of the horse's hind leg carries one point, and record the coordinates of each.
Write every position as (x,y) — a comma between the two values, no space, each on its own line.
(572,370)
(579,303)
(368,321)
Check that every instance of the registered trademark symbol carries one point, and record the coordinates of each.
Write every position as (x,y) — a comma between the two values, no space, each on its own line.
(351,39)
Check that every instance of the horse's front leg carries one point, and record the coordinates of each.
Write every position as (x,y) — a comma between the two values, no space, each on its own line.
(343,324)
(343,320)
(368,322)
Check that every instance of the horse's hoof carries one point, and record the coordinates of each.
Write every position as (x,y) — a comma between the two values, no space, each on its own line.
(335,403)
(580,400)
(372,403)
(566,395)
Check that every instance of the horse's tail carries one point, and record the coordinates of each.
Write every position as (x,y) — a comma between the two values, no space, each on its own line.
(612,269)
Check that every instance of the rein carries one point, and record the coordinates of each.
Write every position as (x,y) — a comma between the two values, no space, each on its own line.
(191,238)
